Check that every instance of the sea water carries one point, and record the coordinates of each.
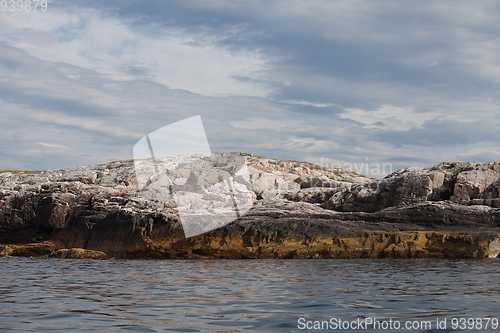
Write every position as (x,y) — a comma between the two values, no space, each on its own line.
(64,295)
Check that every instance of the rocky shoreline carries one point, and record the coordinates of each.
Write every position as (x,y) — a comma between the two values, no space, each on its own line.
(451,210)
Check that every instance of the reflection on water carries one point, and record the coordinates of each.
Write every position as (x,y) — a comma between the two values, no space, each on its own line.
(42,295)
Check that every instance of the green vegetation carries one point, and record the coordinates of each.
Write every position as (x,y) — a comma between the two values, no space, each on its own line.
(241,154)
(21,172)
(37,239)
(309,165)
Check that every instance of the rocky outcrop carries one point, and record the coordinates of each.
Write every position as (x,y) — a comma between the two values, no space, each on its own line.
(300,210)
(76,253)
(366,244)
(42,249)
(50,249)
(458,182)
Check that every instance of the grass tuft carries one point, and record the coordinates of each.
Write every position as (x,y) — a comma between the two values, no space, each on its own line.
(21,172)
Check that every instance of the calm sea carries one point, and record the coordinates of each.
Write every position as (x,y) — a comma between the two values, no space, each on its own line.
(63,295)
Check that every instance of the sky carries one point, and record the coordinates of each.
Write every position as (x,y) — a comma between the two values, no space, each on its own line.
(337,83)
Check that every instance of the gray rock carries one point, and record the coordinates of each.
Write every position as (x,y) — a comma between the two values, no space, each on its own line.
(475,184)
(308,182)
(102,207)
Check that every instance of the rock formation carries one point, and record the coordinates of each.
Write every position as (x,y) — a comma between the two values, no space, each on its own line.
(300,211)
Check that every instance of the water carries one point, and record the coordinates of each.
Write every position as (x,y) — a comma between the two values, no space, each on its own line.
(50,295)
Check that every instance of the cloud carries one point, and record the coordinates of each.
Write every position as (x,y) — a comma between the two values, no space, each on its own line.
(388,117)
(318,105)
(91,39)
(53,145)
(407,84)
(256,123)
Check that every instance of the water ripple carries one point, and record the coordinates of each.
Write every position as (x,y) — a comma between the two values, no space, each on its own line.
(47,295)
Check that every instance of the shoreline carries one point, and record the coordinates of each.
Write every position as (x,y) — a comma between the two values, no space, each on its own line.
(359,245)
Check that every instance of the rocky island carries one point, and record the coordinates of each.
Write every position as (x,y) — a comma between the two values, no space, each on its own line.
(300,210)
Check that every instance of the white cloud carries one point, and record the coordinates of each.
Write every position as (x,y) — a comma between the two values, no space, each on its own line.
(53,145)
(260,123)
(318,105)
(96,79)
(388,117)
(283,120)
(309,145)
(90,39)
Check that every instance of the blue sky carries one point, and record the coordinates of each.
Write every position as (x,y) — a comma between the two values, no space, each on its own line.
(406,83)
